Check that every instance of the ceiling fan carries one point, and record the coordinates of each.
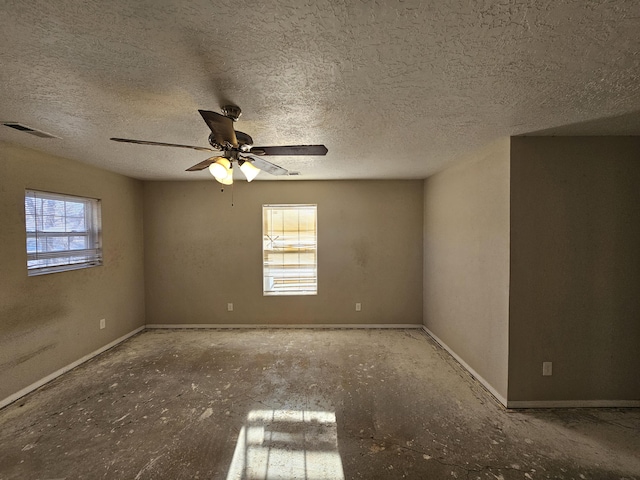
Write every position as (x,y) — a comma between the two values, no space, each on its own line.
(235,146)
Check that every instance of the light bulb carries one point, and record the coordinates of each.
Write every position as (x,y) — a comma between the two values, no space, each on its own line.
(250,171)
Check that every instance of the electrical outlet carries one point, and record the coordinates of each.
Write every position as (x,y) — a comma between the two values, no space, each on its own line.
(229,307)
(547,369)
(103,323)
(358,307)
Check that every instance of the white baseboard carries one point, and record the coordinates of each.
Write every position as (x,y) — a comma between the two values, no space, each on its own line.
(467,367)
(57,373)
(573,404)
(534,404)
(21,393)
(500,398)
(214,326)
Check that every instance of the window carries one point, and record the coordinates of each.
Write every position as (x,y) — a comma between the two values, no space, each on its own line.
(63,232)
(289,247)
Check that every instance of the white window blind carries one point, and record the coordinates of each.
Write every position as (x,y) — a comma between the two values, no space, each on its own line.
(63,232)
(289,249)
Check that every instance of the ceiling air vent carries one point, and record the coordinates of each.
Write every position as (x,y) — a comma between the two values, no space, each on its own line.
(24,128)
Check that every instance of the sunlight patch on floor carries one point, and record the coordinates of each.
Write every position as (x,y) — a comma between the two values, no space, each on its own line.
(287,444)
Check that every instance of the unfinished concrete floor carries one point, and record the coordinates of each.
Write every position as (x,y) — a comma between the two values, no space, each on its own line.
(289,404)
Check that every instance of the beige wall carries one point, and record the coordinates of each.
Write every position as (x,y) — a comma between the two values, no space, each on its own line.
(49,321)
(575,268)
(201,253)
(466,261)
(527,251)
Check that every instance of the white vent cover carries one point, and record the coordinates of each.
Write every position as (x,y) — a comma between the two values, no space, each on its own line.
(26,129)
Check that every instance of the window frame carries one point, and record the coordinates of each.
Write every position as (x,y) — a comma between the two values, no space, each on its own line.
(45,262)
(294,290)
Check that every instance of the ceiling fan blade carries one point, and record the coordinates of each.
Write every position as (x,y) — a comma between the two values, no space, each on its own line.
(221,128)
(263,165)
(202,165)
(291,150)
(161,144)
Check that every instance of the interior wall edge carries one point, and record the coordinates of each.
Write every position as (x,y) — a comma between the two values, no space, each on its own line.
(522,404)
(468,368)
(319,326)
(43,381)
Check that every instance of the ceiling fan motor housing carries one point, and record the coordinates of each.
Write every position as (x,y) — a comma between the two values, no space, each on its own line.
(245,142)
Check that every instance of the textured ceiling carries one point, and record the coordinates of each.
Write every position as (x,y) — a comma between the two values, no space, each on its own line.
(394,89)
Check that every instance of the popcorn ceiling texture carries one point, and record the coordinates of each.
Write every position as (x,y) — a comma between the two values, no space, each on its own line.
(395,89)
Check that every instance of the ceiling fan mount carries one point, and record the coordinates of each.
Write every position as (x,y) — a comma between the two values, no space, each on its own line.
(235,146)
(231,111)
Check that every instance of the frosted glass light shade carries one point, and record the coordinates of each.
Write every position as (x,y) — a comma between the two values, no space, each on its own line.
(217,170)
(220,169)
(228,180)
(249,170)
